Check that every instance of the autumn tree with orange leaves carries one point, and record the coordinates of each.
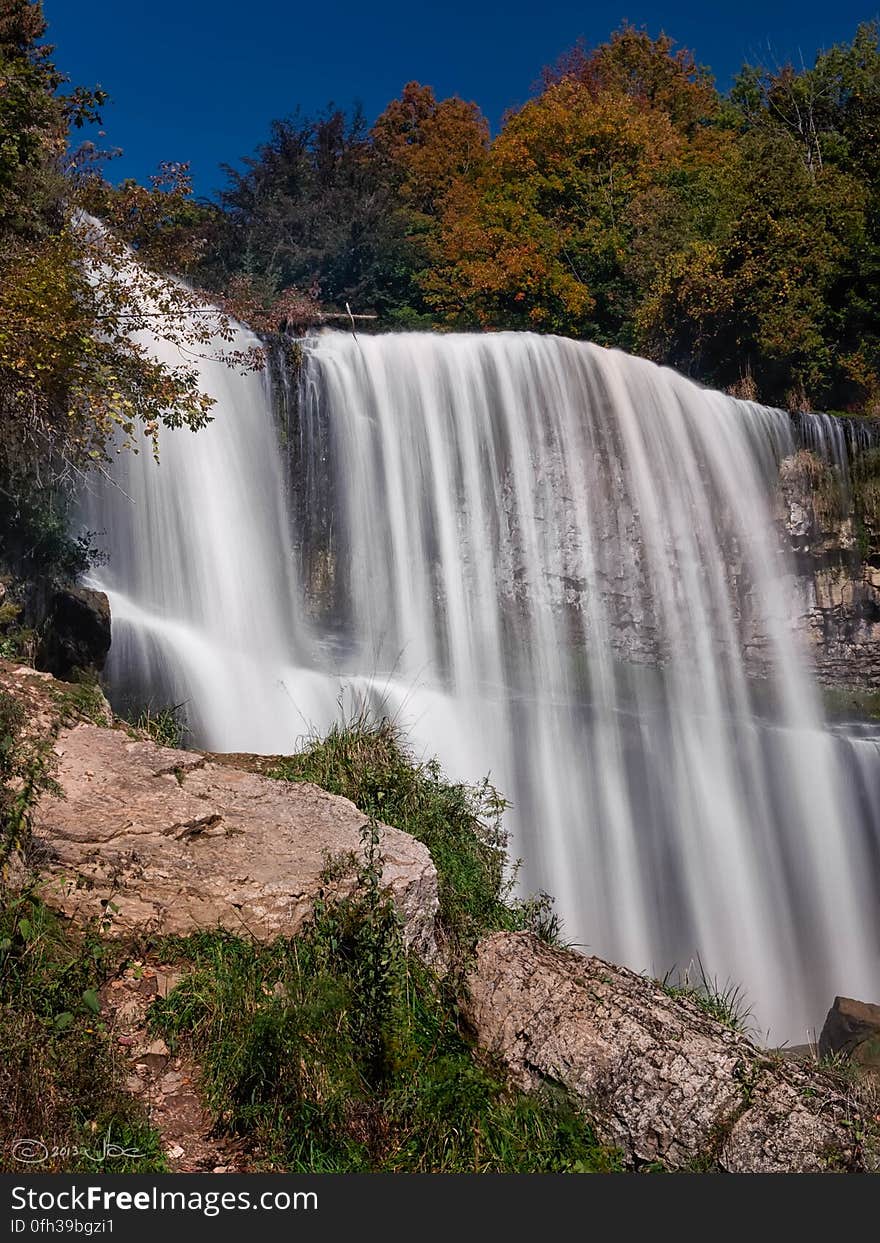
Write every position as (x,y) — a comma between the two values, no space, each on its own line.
(583,192)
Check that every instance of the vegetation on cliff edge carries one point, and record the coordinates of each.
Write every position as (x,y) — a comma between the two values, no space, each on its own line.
(62,1102)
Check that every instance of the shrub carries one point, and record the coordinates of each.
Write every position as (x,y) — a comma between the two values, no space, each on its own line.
(25,772)
(724,1002)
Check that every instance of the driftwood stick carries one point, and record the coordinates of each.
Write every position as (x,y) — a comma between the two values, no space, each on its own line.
(344,315)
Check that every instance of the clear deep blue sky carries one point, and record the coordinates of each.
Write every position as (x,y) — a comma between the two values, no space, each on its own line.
(200,80)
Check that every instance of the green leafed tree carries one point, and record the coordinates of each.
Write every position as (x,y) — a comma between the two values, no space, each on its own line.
(780,295)
(310,212)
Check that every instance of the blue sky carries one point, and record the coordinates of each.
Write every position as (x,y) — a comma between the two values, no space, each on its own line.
(199,80)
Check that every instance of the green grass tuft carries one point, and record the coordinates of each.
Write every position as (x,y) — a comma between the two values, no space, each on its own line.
(726,1003)
(165,726)
(367,761)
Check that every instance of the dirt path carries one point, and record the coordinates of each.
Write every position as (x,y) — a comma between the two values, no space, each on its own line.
(168,1086)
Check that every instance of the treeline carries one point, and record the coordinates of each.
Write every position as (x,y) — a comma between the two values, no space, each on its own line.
(734,237)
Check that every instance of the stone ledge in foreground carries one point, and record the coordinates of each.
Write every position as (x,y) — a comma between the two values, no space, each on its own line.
(180,844)
(657,1077)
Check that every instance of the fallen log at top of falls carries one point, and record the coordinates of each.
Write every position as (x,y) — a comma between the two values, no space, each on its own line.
(656,1076)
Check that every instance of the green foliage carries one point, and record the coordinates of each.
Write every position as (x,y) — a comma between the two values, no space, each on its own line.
(34,538)
(39,553)
(367,762)
(866,498)
(73,376)
(839,1063)
(76,382)
(60,1080)
(628,202)
(788,284)
(77,702)
(726,1003)
(337,1052)
(311,212)
(17,643)
(25,773)
(756,296)
(736,238)
(166,726)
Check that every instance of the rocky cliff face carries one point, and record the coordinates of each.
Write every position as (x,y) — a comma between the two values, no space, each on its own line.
(831,517)
(827,510)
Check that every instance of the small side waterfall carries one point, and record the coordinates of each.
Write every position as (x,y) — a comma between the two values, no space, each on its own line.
(200,570)
(552,563)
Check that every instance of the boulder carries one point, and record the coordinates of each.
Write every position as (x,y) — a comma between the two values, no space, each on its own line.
(657,1077)
(76,635)
(178,844)
(852,1028)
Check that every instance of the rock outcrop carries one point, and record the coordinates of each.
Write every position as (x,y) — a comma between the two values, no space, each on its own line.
(76,632)
(837,581)
(177,844)
(657,1077)
(852,1028)
(51,705)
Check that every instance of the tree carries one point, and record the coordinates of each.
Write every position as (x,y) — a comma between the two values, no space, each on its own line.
(167,228)
(564,223)
(311,212)
(426,147)
(651,72)
(74,375)
(754,297)
(818,336)
(832,111)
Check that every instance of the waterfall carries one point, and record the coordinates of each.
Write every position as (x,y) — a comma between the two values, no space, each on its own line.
(551,563)
(199,569)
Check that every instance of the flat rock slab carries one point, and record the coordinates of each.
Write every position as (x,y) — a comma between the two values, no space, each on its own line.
(658,1078)
(179,844)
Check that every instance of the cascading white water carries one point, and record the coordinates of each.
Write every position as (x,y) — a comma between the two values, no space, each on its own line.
(200,571)
(553,563)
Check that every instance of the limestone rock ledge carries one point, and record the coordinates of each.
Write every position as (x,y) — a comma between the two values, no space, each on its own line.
(657,1077)
(180,844)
